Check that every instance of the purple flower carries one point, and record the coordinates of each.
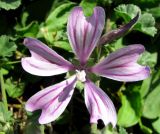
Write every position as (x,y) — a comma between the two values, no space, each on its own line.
(83,34)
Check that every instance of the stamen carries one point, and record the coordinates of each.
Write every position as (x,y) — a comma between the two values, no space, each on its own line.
(81,75)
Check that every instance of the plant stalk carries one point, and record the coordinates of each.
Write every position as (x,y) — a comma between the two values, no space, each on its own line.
(13,62)
(4,97)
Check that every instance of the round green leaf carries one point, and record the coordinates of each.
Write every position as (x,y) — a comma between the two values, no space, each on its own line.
(130,111)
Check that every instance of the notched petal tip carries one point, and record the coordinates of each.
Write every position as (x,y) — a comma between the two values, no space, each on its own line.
(99,105)
(43,61)
(84,32)
(52,100)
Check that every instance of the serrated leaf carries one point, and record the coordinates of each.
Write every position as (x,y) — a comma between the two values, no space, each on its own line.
(146,23)
(127,11)
(130,111)
(149,59)
(7,47)
(9,4)
(14,88)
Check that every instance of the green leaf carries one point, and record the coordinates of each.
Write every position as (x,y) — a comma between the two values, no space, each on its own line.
(64,118)
(7,47)
(145,87)
(5,115)
(122,130)
(155,78)
(107,130)
(4,71)
(156,125)
(14,88)
(151,108)
(80,86)
(127,11)
(155,12)
(63,45)
(9,4)
(24,19)
(130,111)
(105,2)
(56,22)
(149,59)
(58,17)
(117,44)
(32,126)
(7,128)
(30,30)
(146,130)
(146,23)
(88,6)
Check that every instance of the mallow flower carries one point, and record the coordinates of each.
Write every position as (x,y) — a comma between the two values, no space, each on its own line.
(83,33)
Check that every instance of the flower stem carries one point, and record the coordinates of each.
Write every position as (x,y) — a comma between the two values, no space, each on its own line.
(4,97)
(13,62)
(94,128)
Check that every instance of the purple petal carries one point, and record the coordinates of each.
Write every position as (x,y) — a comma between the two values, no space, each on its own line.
(84,32)
(121,65)
(114,34)
(43,61)
(99,105)
(52,100)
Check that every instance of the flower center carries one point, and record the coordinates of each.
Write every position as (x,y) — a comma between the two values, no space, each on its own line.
(81,75)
